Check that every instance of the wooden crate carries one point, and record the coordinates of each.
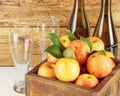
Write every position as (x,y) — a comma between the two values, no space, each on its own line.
(42,86)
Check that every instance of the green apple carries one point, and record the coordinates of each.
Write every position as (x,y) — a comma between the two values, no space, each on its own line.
(69,53)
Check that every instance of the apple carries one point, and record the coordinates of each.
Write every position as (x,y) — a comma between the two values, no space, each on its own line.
(67,69)
(51,58)
(81,50)
(47,70)
(100,65)
(69,53)
(97,43)
(64,39)
(87,81)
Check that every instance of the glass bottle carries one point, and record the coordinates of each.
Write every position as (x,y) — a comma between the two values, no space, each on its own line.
(105,27)
(78,22)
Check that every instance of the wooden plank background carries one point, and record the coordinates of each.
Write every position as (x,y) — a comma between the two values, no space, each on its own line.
(30,10)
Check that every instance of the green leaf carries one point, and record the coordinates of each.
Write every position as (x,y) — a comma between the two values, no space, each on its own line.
(54,51)
(71,35)
(55,39)
(102,52)
(87,42)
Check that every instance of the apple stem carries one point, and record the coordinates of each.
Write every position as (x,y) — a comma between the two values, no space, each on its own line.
(113,46)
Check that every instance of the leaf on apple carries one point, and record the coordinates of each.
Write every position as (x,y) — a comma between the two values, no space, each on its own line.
(71,35)
(54,51)
(55,39)
(102,52)
(87,42)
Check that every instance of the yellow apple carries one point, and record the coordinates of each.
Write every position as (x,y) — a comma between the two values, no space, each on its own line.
(64,39)
(97,43)
(47,70)
(67,69)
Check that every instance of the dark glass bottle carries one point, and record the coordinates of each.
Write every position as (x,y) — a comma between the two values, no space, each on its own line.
(78,23)
(105,27)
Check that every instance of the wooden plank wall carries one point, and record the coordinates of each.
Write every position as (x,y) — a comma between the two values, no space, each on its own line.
(30,10)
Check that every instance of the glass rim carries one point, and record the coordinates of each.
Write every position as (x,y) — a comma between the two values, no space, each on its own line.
(48,19)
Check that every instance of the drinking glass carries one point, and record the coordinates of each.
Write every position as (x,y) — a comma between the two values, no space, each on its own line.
(46,25)
(21,45)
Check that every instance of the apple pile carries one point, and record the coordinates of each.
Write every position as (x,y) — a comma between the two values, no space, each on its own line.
(83,61)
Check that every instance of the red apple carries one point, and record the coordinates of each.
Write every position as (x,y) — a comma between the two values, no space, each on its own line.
(81,50)
(47,70)
(97,43)
(100,65)
(87,80)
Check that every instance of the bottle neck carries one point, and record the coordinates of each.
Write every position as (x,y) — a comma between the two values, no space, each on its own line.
(80,9)
(106,7)
(80,5)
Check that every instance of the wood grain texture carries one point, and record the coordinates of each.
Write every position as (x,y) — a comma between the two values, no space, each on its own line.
(30,10)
